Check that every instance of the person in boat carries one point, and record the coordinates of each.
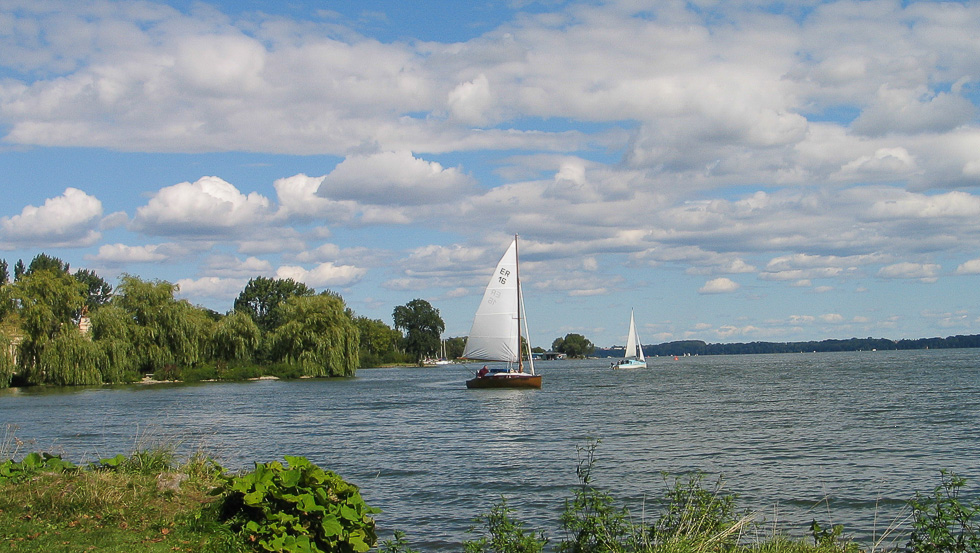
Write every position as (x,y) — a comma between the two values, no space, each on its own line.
(482,372)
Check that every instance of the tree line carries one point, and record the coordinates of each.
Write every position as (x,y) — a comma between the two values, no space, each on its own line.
(698,347)
(63,328)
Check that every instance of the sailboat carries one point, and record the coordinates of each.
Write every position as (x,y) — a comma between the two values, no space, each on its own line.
(498,326)
(442,360)
(633,359)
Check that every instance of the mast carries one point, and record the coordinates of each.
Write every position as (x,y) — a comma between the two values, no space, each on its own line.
(517,271)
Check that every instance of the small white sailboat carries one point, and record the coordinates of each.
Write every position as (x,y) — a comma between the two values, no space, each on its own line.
(498,326)
(633,358)
(442,360)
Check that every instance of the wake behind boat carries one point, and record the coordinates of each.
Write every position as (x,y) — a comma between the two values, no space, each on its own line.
(633,358)
(498,328)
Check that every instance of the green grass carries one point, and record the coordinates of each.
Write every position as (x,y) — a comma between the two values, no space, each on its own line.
(139,506)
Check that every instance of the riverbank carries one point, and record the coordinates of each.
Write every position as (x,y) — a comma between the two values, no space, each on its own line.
(149,503)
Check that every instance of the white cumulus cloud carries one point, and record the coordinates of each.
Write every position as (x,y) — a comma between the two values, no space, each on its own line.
(394,178)
(323,275)
(971,267)
(720,285)
(926,272)
(469,101)
(68,220)
(210,288)
(207,206)
(122,254)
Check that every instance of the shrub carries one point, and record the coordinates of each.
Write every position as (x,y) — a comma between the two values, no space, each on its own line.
(943,523)
(832,539)
(695,514)
(299,508)
(591,520)
(506,535)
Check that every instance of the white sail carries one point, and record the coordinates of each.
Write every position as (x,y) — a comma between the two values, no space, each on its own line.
(493,336)
(633,347)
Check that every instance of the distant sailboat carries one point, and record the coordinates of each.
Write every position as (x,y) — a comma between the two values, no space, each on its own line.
(497,329)
(633,358)
(442,360)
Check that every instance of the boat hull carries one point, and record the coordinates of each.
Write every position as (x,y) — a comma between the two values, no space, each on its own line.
(631,364)
(505,381)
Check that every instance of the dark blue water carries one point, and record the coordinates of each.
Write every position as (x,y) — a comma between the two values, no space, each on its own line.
(844,438)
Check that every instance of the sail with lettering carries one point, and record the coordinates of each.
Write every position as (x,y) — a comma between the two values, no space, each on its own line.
(497,329)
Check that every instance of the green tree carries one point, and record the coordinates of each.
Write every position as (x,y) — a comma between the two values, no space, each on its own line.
(262,296)
(4,272)
(47,302)
(111,332)
(70,359)
(45,262)
(422,326)
(98,291)
(573,345)
(19,269)
(236,338)
(6,362)
(455,347)
(379,342)
(165,333)
(317,334)
(6,303)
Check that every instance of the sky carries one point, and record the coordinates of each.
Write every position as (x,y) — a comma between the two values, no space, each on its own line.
(730,171)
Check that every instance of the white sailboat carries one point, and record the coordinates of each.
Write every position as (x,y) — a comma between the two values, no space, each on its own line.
(633,358)
(442,360)
(497,329)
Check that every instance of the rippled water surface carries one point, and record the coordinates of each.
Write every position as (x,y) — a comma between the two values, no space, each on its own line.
(840,437)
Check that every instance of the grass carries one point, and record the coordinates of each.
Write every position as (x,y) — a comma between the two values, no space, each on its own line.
(139,505)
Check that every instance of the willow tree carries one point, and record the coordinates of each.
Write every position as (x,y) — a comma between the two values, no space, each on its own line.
(70,359)
(6,362)
(111,326)
(236,337)
(317,334)
(165,332)
(46,301)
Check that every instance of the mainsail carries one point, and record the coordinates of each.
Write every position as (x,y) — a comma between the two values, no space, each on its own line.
(493,336)
(633,347)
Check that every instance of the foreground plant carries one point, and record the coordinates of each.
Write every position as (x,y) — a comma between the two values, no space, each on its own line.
(696,514)
(591,520)
(299,508)
(505,535)
(943,522)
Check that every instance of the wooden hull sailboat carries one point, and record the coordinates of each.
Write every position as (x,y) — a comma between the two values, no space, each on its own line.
(505,380)
(498,326)
(633,358)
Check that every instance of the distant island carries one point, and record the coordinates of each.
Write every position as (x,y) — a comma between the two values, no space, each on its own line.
(699,347)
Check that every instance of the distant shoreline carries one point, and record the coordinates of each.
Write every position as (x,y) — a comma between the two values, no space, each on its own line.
(699,347)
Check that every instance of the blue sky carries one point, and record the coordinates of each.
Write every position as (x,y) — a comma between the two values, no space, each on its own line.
(734,172)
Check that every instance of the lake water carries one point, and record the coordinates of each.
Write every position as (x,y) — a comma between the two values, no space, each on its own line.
(841,437)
